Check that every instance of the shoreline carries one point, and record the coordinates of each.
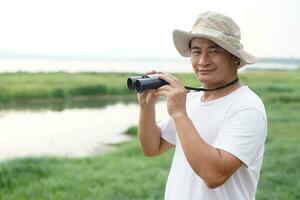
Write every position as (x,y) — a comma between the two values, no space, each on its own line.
(101,150)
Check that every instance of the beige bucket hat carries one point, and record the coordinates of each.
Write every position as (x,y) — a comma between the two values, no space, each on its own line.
(218,28)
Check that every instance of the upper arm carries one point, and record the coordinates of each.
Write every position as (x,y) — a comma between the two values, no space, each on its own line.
(168,135)
(240,141)
(225,165)
(243,135)
(167,131)
(228,164)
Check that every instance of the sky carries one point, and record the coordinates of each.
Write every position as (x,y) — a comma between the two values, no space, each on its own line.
(139,28)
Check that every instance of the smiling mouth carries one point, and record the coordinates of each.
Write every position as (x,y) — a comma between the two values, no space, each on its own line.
(206,70)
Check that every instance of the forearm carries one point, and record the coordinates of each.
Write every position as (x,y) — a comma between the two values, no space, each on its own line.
(202,157)
(148,131)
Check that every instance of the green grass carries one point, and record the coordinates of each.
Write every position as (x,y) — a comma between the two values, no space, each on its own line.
(59,85)
(22,86)
(127,174)
(123,174)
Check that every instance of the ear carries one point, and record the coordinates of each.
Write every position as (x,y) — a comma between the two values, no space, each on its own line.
(236,60)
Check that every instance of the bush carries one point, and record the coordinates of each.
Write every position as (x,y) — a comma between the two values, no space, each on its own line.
(131,131)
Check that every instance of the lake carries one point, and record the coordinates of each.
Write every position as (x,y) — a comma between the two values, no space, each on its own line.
(69,132)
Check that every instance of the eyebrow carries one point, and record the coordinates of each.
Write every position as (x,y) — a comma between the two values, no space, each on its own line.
(210,47)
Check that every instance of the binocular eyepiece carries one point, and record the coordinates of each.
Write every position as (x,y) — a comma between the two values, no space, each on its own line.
(145,82)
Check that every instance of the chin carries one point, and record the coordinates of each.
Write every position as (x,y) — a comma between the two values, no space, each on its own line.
(204,78)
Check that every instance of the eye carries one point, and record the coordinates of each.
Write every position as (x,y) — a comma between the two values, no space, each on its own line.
(196,52)
(214,52)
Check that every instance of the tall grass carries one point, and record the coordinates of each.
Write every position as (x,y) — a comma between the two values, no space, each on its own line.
(124,174)
(59,85)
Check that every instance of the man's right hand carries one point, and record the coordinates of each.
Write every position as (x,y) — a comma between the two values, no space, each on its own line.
(147,98)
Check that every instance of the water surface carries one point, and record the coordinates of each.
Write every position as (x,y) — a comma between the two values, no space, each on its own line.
(70,132)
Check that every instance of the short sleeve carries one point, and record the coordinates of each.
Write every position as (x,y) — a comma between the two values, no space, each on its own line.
(243,135)
(168,130)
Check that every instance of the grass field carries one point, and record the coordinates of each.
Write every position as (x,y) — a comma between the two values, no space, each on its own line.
(127,174)
(59,85)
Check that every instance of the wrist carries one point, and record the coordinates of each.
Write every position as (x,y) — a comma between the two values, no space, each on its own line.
(179,116)
(147,108)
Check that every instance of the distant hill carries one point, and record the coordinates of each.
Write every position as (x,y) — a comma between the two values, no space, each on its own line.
(12,55)
(280,60)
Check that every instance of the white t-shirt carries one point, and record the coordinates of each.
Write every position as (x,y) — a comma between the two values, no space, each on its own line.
(235,123)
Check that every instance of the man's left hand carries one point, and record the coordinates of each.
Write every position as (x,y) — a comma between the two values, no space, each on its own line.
(175,93)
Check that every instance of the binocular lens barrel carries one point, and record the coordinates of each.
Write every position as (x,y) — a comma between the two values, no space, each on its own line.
(131,82)
(142,83)
(148,83)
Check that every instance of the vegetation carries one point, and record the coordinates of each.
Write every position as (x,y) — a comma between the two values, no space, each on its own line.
(124,174)
(131,131)
(127,174)
(59,85)
(23,86)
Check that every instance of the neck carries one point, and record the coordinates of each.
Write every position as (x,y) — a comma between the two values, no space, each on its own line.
(215,94)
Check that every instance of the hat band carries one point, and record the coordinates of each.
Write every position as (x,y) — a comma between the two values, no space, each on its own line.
(211,33)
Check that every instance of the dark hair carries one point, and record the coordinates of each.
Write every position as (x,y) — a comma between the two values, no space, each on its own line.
(190,45)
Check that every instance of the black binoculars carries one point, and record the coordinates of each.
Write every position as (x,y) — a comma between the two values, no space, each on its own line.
(152,81)
(145,82)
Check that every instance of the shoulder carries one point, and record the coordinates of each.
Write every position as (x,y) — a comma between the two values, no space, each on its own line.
(247,99)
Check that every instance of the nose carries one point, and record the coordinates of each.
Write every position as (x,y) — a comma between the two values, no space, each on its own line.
(204,59)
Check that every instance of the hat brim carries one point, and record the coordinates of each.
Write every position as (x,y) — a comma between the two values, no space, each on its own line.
(181,41)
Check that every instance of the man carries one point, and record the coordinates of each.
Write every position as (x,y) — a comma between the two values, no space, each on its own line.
(218,134)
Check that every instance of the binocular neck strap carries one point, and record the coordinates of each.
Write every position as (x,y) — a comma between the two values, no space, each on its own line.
(218,88)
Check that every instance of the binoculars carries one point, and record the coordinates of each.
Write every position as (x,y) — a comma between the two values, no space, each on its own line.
(145,82)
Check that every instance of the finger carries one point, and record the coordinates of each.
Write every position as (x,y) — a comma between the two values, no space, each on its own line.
(165,93)
(176,80)
(168,79)
(164,87)
(150,72)
(146,92)
(155,72)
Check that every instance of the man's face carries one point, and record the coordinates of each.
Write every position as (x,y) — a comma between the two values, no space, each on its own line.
(212,64)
